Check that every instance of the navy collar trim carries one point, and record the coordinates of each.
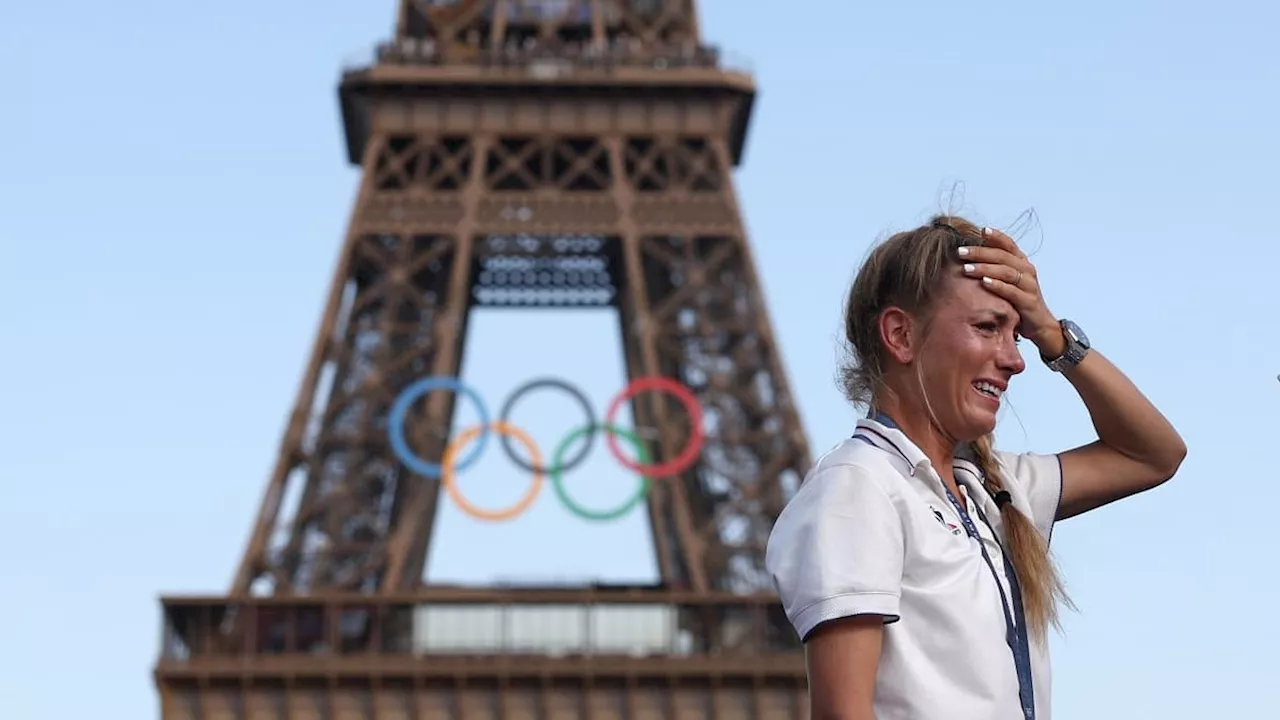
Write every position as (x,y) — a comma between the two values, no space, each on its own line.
(883,433)
(886,435)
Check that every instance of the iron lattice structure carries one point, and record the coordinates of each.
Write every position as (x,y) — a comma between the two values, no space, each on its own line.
(519,153)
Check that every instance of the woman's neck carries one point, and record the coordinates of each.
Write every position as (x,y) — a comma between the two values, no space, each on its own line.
(920,429)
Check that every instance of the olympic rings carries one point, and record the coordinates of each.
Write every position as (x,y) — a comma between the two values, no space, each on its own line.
(505,416)
(446,478)
(597,515)
(400,408)
(450,465)
(689,454)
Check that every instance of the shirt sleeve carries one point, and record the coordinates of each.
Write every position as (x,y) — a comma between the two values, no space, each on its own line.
(837,550)
(1039,477)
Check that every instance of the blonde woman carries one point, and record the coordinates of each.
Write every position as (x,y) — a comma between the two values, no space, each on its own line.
(914,560)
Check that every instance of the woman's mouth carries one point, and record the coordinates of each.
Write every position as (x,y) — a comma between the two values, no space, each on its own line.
(988,390)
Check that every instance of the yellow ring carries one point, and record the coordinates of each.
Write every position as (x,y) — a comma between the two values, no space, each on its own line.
(479,513)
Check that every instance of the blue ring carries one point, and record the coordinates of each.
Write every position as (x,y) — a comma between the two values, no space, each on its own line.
(400,408)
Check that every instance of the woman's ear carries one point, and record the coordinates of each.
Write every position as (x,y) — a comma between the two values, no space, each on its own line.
(897,334)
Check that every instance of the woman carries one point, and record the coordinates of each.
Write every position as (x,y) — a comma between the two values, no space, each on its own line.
(914,560)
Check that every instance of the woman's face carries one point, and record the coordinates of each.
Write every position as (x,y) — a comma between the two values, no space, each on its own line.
(968,357)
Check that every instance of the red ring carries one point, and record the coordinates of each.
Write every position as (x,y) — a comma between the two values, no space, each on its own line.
(688,455)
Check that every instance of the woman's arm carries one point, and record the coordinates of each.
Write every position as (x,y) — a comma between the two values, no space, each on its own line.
(836,555)
(842,657)
(1137,448)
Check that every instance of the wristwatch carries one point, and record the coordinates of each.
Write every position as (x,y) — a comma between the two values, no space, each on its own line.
(1077,348)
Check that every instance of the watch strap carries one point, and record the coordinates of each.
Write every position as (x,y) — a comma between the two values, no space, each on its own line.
(1073,352)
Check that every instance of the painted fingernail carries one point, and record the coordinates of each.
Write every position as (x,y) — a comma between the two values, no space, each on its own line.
(962,252)
(968,267)
(986,281)
(986,231)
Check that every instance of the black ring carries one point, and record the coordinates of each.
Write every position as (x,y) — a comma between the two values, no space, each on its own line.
(577,395)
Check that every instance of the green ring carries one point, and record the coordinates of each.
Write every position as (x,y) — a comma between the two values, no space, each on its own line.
(556,473)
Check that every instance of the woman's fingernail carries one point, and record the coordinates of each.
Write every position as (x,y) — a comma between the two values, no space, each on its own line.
(968,267)
(962,252)
(986,281)
(986,231)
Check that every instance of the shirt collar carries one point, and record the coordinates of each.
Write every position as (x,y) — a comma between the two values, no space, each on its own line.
(882,432)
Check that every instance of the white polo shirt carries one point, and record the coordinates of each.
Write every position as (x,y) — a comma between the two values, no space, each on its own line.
(872,531)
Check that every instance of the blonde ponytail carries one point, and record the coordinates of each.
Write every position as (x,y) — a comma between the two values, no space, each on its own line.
(1028,551)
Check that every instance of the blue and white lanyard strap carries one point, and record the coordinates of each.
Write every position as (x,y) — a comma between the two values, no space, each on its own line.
(1015,624)
(1014,615)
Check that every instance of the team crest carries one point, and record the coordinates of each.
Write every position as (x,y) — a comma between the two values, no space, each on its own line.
(955,529)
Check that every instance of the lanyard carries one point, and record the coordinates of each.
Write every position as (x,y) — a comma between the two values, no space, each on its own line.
(1014,617)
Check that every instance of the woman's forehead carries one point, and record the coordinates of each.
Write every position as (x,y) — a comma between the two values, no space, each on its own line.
(966,296)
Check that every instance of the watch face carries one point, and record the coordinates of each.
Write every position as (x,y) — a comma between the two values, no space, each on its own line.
(1074,332)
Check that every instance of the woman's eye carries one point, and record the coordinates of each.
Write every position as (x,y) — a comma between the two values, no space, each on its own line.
(988,327)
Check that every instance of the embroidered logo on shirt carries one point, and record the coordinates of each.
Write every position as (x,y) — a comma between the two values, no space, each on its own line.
(955,529)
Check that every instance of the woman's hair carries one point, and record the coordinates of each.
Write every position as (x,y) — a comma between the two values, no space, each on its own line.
(908,271)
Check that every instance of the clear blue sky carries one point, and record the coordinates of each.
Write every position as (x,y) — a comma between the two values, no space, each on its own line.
(173,194)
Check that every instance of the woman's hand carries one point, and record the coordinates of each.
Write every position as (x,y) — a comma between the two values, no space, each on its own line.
(1005,271)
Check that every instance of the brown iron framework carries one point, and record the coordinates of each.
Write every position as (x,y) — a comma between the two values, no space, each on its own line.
(519,153)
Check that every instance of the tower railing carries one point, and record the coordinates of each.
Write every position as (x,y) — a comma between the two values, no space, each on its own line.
(584,57)
(460,622)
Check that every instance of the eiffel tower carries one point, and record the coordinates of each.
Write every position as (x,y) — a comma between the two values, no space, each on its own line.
(519,153)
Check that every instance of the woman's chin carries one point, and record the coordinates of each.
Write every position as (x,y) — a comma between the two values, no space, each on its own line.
(978,422)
